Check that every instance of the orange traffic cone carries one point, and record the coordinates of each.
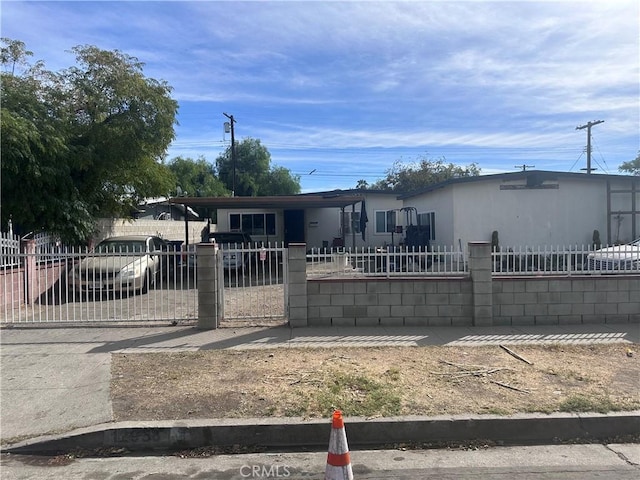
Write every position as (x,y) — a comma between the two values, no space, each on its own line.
(338,459)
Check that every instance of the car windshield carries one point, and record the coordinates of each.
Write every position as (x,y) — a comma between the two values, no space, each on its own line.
(121,246)
(226,238)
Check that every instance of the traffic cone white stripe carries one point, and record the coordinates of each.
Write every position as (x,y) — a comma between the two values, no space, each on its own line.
(338,473)
(338,458)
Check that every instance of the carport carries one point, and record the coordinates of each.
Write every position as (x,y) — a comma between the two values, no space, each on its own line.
(293,207)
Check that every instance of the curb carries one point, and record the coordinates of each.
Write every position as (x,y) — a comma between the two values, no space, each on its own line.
(296,434)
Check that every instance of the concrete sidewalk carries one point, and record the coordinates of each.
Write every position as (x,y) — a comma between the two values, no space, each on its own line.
(54,380)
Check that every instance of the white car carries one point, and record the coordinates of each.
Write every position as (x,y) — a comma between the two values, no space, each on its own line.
(234,246)
(119,264)
(620,257)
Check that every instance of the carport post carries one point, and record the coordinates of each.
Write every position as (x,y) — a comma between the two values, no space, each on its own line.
(209,308)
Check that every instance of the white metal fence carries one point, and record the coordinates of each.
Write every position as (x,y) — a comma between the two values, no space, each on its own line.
(567,260)
(57,284)
(440,261)
(9,250)
(75,285)
(386,261)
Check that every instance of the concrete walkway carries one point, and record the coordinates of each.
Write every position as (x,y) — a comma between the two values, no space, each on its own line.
(56,379)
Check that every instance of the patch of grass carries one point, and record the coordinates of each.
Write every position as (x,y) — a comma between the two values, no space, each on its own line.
(580,403)
(358,395)
(539,408)
(299,406)
(393,374)
(496,411)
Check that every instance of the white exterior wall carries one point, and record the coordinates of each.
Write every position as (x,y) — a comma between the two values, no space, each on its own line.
(376,203)
(323,224)
(441,203)
(567,215)
(167,229)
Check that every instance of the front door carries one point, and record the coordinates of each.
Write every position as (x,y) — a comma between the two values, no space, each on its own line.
(293,227)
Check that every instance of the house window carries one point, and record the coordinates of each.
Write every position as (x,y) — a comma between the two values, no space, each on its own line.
(385,221)
(253,223)
(429,219)
(349,222)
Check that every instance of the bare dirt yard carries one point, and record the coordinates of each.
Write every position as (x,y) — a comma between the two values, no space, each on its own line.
(374,382)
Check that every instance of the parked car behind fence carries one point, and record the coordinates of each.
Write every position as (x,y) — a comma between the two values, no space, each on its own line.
(121,264)
(617,258)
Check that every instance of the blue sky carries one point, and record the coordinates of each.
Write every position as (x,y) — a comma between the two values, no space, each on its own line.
(344,89)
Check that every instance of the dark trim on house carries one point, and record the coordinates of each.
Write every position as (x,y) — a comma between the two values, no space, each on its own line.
(532,177)
(327,200)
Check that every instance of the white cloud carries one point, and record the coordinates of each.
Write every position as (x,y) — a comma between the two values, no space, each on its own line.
(504,75)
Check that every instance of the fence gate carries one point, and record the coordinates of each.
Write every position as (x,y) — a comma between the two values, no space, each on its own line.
(254,284)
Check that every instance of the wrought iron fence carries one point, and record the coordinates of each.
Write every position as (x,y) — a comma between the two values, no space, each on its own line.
(134,284)
(254,280)
(386,261)
(77,285)
(567,260)
(9,250)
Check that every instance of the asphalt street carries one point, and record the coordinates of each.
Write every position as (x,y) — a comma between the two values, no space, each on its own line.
(559,462)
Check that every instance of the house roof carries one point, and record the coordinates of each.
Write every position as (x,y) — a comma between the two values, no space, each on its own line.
(293,202)
(538,176)
(164,201)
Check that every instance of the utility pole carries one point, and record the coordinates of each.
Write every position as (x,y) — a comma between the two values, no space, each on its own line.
(233,153)
(524,167)
(588,126)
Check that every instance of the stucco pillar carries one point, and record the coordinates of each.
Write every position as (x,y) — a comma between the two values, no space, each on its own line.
(480,270)
(297,284)
(30,273)
(209,308)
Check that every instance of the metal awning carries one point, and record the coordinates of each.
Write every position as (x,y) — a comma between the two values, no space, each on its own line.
(287,202)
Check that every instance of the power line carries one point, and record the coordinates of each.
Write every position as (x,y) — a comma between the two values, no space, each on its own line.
(577,159)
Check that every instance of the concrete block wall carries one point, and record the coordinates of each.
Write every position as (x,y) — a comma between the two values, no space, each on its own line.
(390,302)
(566,300)
(478,299)
(168,229)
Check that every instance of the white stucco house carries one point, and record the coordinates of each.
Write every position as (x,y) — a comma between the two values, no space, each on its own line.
(529,208)
(532,208)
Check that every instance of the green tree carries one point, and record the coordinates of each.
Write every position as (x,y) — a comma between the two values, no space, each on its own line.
(196,178)
(254,175)
(37,189)
(632,166)
(280,182)
(403,177)
(123,123)
(12,53)
(82,143)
